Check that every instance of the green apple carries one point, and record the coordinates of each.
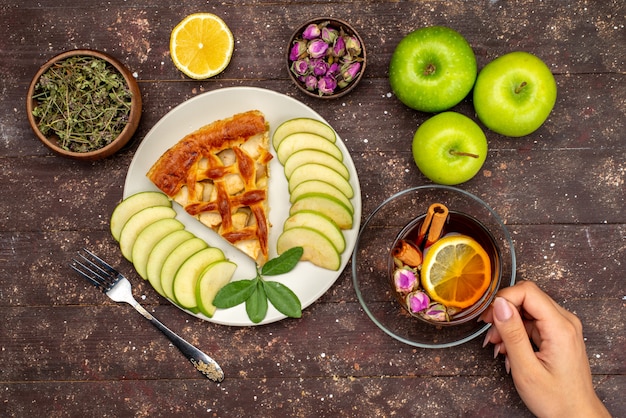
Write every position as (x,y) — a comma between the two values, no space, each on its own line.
(514,94)
(148,238)
(326,205)
(306,140)
(432,69)
(211,280)
(298,125)
(319,186)
(137,223)
(449,148)
(321,223)
(318,249)
(187,275)
(173,262)
(133,204)
(306,156)
(314,171)
(160,252)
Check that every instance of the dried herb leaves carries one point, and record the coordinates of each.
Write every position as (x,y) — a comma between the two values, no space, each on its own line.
(84,101)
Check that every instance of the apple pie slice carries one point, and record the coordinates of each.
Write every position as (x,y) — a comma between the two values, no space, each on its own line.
(219,174)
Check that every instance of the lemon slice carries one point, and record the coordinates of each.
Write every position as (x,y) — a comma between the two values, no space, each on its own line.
(456,271)
(201,45)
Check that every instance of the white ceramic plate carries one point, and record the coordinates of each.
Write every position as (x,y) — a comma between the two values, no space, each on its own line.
(306,280)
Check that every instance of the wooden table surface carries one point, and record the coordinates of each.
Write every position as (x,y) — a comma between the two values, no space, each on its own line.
(66,350)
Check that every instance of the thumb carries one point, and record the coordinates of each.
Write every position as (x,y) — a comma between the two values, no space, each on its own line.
(510,326)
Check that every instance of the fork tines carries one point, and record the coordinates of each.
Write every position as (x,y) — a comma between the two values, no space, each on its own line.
(95,270)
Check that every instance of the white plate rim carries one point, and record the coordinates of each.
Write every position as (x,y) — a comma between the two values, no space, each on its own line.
(309,282)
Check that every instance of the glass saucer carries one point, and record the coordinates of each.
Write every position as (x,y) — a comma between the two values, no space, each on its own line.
(371,256)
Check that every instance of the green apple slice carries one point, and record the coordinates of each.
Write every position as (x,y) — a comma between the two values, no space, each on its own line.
(176,259)
(137,223)
(148,238)
(133,204)
(304,140)
(306,156)
(326,205)
(160,252)
(184,287)
(315,171)
(296,125)
(321,223)
(318,186)
(212,279)
(317,248)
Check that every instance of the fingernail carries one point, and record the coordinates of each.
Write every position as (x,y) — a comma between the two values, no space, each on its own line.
(501,309)
(507,365)
(496,350)
(486,340)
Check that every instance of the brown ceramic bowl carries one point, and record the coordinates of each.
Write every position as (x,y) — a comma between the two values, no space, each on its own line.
(52,140)
(339,25)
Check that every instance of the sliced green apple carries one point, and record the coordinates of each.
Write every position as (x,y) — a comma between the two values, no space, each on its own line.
(133,204)
(212,279)
(318,186)
(160,252)
(137,223)
(319,222)
(296,125)
(184,287)
(317,248)
(315,171)
(326,205)
(148,238)
(304,140)
(307,156)
(176,259)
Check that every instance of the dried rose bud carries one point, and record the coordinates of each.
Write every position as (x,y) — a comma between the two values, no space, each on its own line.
(417,301)
(311,32)
(405,280)
(329,34)
(300,67)
(319,67)
(349,73)
(333,69)
(298,50)
(339,47)
(437,312)
(353,46)
(326,85)
(310,82)
(317,48)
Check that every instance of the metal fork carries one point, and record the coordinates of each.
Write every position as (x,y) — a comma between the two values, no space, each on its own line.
(118,288)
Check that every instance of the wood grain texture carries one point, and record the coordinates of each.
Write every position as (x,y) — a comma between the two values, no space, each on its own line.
(66,350)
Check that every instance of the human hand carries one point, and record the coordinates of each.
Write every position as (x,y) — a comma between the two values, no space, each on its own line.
(555,380)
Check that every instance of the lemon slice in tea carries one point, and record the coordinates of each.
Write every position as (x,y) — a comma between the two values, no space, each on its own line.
(456,271)
(201,45)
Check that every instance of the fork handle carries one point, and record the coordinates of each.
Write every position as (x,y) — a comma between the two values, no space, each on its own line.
(202,362)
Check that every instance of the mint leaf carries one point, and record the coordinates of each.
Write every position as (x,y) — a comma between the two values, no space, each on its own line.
(283,263)
(256,304)
(283,299)
(234,293)
(257,293)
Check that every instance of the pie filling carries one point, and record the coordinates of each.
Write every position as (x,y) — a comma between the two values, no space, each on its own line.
(219,174)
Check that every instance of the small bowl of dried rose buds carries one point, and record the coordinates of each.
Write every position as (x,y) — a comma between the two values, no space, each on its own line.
(326,58)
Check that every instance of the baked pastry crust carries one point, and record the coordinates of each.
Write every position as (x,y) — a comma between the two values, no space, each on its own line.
(219,174)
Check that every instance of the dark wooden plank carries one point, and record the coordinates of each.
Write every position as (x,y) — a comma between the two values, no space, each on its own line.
(336,396)
(111,342)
